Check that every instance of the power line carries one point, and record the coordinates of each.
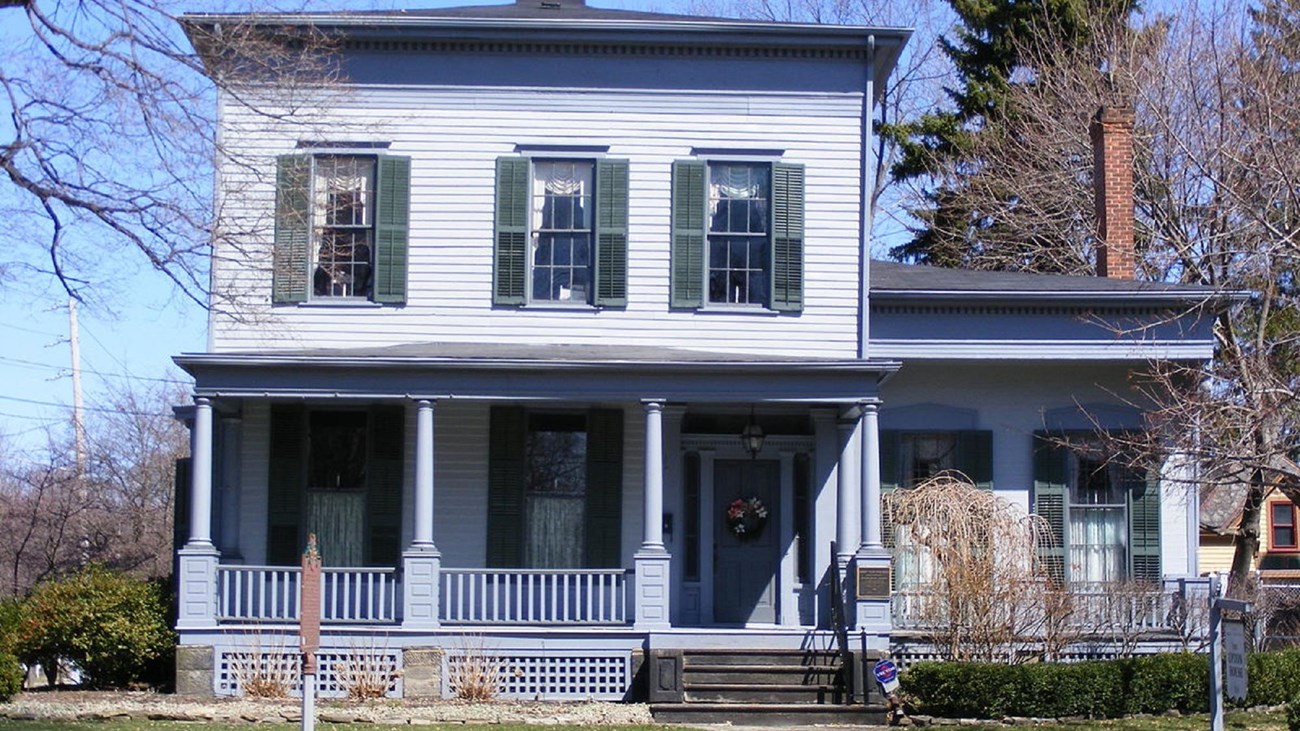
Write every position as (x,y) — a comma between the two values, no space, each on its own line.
(49,366)
(99,409)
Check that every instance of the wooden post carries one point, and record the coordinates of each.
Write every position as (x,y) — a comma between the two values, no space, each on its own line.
(309,630)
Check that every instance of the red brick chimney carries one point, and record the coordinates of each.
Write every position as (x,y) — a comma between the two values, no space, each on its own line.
(1112,179)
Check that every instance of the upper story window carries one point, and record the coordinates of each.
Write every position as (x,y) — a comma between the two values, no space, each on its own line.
(562,193)
(343,193)
(739,224)
(341,228)
(561,232)
(738,234)
(1282,526)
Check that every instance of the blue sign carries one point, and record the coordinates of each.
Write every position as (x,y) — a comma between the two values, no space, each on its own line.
(886,672)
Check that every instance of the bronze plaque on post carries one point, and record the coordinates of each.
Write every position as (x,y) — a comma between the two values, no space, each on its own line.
(873,582)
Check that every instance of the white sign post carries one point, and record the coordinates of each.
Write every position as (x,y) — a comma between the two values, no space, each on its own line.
(1218,629)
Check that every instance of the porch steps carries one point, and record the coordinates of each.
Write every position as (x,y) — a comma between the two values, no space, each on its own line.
(763,688)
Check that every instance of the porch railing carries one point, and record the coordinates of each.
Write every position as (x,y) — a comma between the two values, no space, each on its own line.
(271,594)
(534,596)
(1175,606)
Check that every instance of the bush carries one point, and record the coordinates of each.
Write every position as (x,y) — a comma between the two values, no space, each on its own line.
(1293,713)
(11,676)
(1273,677)
(1102,689)
(112,626)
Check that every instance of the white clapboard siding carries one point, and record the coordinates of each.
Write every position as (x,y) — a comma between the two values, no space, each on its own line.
(454,137)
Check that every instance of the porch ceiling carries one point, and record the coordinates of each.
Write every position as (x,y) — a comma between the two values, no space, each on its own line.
(534,372)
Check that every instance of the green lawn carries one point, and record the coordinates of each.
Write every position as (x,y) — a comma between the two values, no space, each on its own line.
(1242,721)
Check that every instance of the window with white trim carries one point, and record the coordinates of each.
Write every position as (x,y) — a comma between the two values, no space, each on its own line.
(343,197)
(739,257)
(561,238)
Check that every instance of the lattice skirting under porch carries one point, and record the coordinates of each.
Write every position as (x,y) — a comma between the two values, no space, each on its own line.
(542,674)
(341,674)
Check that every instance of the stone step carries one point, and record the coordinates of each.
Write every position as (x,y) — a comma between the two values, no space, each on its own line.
(769,714)
(770,674)
(800,658)
(760,693)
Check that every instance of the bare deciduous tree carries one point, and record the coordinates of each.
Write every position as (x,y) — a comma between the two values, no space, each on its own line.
(117,513)
(1215,93)
(106,156)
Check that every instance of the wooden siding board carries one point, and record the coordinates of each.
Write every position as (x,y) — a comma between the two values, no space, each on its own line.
(454,147)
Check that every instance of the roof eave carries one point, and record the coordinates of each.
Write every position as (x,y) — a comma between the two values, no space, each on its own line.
(949,296)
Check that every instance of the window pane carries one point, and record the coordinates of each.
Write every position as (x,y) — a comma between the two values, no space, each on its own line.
(343,196)
(337,450)
(1284,534)
(562,192)
(738,205)
(555,491)
(1098,538)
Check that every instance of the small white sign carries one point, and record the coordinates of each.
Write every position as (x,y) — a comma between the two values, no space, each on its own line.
(886,674)
(1234,656)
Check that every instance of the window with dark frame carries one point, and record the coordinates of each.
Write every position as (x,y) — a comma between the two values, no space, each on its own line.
(1098,514)
(555,491)
(1282,526)
(343,196)
(739,218)
(562,195)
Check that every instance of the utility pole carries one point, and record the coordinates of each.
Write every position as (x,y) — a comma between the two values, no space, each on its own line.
(78,407)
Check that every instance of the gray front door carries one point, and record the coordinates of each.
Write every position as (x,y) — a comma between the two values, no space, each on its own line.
(745,564)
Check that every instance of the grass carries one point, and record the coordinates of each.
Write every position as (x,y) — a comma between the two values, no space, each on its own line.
(1239,721)
(133,725)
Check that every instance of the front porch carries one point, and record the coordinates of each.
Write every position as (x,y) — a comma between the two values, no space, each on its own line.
(444,525)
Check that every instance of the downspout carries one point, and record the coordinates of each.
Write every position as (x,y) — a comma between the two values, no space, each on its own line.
(866,184)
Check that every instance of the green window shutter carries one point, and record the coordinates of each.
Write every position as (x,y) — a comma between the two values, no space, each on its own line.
(787,237)
(974,456)
(506,468)
(510,258)
(604,519)
(1051,495)
(611,233)
(181,503)
(1144,526)
(384,486)
(392,228)
(285,484)
(686,262)
(891,447)
(289,259)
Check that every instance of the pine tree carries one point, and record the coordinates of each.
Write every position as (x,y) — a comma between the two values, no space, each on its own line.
(987,50)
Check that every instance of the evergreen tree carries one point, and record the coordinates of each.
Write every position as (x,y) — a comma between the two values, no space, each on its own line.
(988,52)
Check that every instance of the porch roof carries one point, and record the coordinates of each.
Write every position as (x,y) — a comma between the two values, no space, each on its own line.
(509,371)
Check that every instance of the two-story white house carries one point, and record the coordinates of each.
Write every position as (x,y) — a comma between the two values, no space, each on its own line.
(558,327)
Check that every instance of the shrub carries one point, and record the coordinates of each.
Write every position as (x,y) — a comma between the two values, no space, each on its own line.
(1293,713)
(11,676)
(1273,677)
(1158,683)
(112,626)
(1102,689)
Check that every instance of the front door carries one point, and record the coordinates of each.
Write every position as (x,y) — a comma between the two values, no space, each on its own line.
(746,545)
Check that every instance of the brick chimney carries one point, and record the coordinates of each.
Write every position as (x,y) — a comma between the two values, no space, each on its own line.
(1112,179)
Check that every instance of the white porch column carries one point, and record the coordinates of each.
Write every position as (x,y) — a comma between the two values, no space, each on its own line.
(870,479)
(421,561)
(652,564)
(423,475)
(872,563)
(847,488)
(201,476)
(197,561)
